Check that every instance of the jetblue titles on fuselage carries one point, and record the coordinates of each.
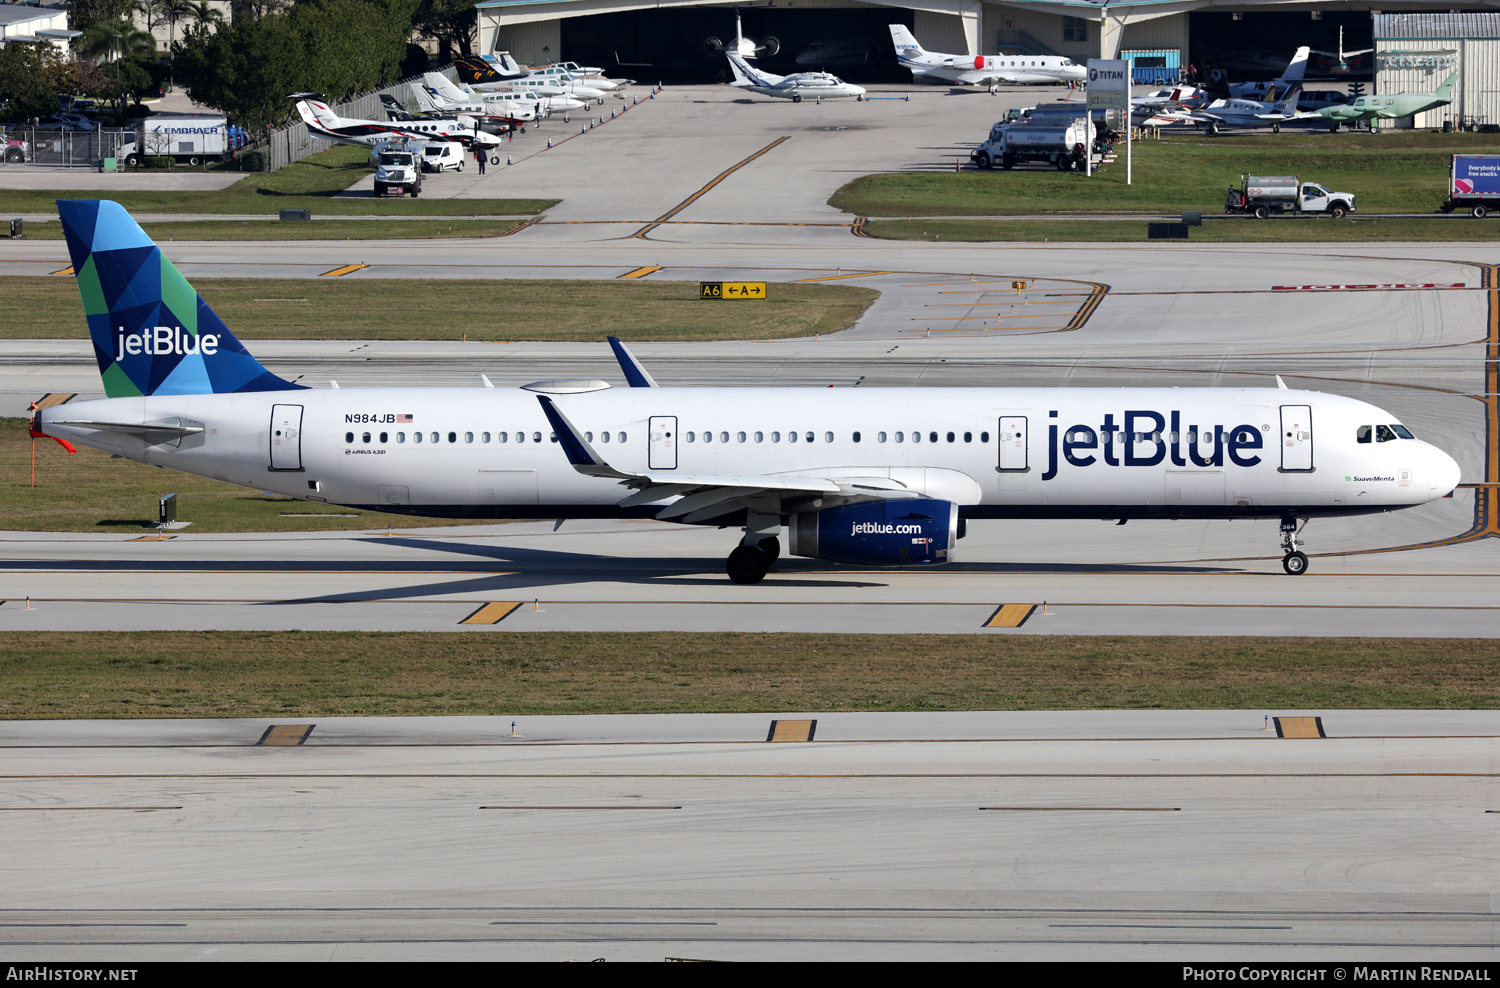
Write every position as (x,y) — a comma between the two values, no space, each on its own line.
(1120,444)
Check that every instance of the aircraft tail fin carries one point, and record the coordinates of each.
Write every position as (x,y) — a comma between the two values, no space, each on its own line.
(1297,70)
(316,113)
(1445,91)
(442,86)
(502,65)
(425,101)
(1288,103)
(152,333)
(744,75)
(902,38)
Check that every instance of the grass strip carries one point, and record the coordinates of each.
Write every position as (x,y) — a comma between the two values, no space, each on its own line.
(1247,231)
(1391,172)
(360,308)
(312,183)
(52,675)
(91,492)
(425,229)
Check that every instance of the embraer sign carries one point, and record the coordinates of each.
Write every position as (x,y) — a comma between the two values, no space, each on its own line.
(1108,84)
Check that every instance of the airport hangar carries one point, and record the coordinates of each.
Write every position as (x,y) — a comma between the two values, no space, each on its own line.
(1416,44)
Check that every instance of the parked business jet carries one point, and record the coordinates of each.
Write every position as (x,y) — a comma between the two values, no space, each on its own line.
(982,70)
(872,477)
(323,122)
(812,85)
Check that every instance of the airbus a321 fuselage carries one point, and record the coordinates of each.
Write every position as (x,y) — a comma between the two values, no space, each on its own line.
(863,476)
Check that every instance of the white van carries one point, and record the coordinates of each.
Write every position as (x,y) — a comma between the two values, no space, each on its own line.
(442,156)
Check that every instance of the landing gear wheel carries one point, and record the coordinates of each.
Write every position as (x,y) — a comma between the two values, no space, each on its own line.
(1276,128)
(566,118)
(796,97)
(495,160)
(747,564)
(1295,563)
(771,547)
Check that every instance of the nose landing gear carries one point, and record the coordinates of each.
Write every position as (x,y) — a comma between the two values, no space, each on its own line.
(1295,560)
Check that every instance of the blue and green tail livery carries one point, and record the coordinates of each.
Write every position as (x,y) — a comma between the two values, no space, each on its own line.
(153,334)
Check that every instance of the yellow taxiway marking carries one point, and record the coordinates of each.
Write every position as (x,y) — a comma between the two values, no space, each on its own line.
(641,233)
(839,277)
(66,270)
(492,613)
(1299,727)
(285,735)
(346,269)
(792,730)
(641,272)
(1010,616)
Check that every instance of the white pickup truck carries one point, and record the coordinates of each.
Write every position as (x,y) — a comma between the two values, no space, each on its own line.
(1262,195)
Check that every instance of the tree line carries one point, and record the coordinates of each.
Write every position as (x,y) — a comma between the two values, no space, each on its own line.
(245,68)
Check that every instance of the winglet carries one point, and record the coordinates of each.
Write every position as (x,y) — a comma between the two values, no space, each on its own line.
(636,375)
(583,457)
(1280,383)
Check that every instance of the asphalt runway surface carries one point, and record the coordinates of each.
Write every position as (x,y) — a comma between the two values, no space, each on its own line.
(1140,835)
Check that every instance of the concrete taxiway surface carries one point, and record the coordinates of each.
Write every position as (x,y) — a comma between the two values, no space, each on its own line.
(1143,835)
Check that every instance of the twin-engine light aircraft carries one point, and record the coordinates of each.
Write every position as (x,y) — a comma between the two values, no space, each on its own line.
(795,87)
(982,70)
(1390,106)
(870,477)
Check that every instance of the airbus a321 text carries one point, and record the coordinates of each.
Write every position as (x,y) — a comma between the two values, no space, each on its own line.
(870,477)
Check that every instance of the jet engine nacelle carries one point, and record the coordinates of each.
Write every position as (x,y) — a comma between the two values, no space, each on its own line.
(893,532)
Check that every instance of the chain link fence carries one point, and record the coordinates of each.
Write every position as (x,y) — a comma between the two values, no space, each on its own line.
(88,149)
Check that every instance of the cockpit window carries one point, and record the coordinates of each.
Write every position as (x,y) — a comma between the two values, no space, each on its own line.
(1383,434)
(1402,431)
(1363,434)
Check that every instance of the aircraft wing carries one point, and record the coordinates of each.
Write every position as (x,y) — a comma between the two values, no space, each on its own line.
(703,496)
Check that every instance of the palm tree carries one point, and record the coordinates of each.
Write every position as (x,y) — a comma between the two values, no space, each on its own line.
(173,10)
(110,40)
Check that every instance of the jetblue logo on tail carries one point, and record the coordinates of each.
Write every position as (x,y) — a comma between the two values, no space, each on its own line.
(165,340)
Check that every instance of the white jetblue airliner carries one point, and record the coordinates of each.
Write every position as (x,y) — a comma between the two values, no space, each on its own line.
(868,476)
(982,70)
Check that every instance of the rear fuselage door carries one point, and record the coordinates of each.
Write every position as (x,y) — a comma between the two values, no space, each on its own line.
(1013,444)
(1296,438)
(663,451)
(286,437)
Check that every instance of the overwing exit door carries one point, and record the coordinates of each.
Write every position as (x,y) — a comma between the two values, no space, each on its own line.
(1296,438)
(286,437)
(662,454)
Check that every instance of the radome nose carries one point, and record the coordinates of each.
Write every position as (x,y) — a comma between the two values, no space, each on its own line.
(1444,472)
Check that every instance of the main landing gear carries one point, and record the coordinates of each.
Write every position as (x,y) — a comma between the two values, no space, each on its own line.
(1295,560)
(757,553)
(750,563)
